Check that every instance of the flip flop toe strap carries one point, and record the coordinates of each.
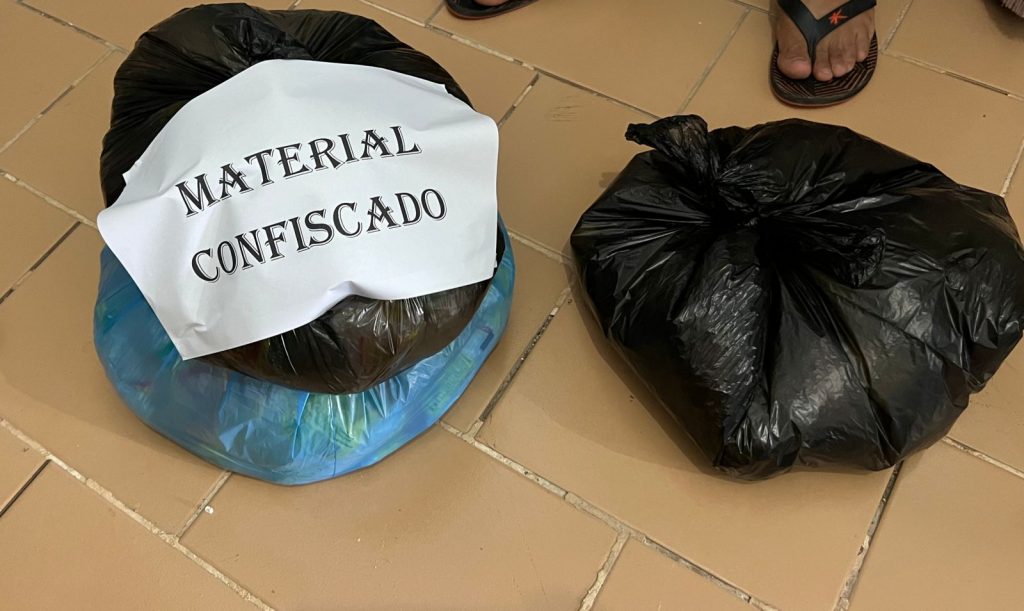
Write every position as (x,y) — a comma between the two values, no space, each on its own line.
(814,28)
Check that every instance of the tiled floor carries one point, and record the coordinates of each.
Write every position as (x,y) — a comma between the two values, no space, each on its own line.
(556,482)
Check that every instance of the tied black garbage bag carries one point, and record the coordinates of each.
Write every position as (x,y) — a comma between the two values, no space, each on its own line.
(359,342)
(798,294)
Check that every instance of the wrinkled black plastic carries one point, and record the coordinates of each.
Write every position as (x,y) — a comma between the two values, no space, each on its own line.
(360,342)
(796,293)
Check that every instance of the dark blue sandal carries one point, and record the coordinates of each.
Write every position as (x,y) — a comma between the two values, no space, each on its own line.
(468,9)
(810,92)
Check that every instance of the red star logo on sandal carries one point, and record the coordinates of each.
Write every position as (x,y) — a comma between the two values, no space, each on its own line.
(836,17)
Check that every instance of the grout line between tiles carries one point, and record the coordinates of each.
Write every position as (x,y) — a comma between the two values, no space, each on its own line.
(521,470)
(843,603)
(485,49)
(475,45)
(23,488)
(899,21)
(1017,163)
(602,575)
(204,503)
(480,47)
(485,414)
(48,199)
(74,27)
(963,447)
(393,13)
(706,574)
(758,9)
(542,249)
(478,424)
(956,75)
(92,67)
(139,519)
(714,61)
(603,96)
(21,280)
(609,520)
(500,393)
(519,100)
(437,11)
(49,251)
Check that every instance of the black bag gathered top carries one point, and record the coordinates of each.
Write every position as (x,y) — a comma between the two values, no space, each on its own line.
(796,293)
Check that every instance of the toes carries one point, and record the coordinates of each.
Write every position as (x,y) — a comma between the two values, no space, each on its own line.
(863,45)
(823,64)
(794,62)
(842,59)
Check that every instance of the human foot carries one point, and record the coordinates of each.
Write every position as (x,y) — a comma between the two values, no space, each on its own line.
(836,54)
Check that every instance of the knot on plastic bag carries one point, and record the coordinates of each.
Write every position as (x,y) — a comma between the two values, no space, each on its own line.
(686,143)
(684,140)
(258,41)
(694,160)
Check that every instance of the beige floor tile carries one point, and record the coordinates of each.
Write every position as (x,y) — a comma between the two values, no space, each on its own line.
(645,580)
(492,83)
(649,54)
(994,422)
(949,539)
(975,39)
(906,106)
(439,525)
(53,388)
(559,150)
(539,282)
(75,127)
(123,22)
(575,416)
(63,547)
(421,10)
(17,464)
(39,59)
(39,227)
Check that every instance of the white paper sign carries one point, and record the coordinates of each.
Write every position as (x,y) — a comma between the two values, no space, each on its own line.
(275,195)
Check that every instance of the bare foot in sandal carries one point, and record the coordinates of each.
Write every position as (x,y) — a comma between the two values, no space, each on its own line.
(837,53)
(825,53)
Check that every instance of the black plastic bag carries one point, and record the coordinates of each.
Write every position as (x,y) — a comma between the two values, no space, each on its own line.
(796,293)
(359,342)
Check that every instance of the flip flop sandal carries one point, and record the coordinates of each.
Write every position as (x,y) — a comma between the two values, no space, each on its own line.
(810,92)
(1017,6)
(467,9)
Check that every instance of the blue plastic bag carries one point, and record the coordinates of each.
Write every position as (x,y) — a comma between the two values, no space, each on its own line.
(268,431)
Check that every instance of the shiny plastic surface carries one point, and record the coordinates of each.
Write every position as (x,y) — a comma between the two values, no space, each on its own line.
(798,294)
(359,342)
(268,431)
